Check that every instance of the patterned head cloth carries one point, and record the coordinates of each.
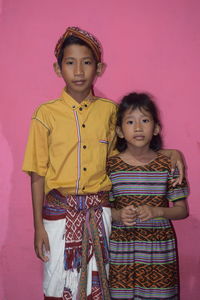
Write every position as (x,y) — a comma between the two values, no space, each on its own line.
(83,35)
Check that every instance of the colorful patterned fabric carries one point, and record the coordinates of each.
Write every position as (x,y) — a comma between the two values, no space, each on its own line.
(91,232)
(143,257)
(87,37)
(84,234)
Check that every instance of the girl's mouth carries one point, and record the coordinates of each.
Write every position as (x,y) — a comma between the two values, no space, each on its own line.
(139,137)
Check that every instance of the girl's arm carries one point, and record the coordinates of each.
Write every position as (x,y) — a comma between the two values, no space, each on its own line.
(176,160)
(177,212)
(41,240)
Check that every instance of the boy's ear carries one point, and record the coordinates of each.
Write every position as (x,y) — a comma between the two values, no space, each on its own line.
(100,68)
(119,132)
(156,130)
(57,69)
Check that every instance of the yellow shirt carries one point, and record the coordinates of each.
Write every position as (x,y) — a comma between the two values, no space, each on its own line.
(69,144)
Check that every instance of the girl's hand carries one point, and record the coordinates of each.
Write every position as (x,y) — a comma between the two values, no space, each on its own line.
(41,244)
(128,215)
(146,212)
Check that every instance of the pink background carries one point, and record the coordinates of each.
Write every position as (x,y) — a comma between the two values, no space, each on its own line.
(151,45)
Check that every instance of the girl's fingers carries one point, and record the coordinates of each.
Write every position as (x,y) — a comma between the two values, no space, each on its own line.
(145,219)
(129,223)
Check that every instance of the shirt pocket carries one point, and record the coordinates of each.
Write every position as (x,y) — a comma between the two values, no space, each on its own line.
(102,153)
(103,141)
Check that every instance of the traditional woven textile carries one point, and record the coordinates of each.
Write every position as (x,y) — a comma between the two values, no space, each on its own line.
(143,257)
(87,37)
(84,234)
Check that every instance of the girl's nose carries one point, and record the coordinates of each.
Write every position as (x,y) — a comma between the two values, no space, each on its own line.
(138,126)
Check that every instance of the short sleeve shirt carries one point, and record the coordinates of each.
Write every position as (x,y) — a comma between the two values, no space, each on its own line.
(69,143)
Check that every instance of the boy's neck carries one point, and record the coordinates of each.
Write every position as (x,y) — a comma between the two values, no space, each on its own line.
(79,97)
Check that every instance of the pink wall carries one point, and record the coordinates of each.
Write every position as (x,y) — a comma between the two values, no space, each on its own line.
(150,45)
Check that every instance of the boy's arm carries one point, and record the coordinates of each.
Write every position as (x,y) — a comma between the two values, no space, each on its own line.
(176,160)
(41,241)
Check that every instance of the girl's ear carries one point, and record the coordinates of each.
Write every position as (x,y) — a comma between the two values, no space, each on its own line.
(119,132)
(57,69)
(100,68)
(156,130)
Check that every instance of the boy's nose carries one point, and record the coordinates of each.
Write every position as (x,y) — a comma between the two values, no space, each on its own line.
(78,70)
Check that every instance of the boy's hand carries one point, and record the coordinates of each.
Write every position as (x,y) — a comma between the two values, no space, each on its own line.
(176,161)
(41,244)
(145,212)
(128,215)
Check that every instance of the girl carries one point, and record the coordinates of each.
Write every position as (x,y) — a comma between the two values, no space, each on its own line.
(142,242)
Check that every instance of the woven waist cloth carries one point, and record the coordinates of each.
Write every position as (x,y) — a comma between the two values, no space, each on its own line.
(84,233)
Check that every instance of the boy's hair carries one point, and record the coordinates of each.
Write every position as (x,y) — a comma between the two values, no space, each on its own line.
(140,101)
(75,35)
(72,40)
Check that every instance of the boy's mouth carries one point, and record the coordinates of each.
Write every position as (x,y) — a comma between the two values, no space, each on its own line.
(79,82)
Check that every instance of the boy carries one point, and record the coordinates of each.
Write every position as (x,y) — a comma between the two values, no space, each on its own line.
(70,139)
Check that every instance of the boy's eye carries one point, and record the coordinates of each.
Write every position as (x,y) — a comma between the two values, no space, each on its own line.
(130,122)
(69,62)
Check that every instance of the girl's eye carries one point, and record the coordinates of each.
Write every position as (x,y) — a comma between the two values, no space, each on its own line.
(145,120)
(69,62)
(130,122)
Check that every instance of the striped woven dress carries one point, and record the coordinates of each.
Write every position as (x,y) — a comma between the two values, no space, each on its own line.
(143,258)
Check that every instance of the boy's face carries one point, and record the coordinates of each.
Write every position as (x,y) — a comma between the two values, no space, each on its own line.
(78,70)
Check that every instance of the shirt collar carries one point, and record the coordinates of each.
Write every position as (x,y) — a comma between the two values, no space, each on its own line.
(70,101)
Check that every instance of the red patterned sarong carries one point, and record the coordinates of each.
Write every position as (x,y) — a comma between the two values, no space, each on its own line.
(84,236)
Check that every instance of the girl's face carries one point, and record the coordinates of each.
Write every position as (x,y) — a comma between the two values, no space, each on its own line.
(138,128)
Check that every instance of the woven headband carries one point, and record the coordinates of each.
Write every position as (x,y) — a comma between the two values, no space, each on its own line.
(89,39)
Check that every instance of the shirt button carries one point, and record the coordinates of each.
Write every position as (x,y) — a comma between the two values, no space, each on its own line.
(80,109)
(85,105)
(84,146)
(73,106)
(84,169)
(83,125)
(83,188)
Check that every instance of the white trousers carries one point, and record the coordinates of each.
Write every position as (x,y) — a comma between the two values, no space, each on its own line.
(56,278)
